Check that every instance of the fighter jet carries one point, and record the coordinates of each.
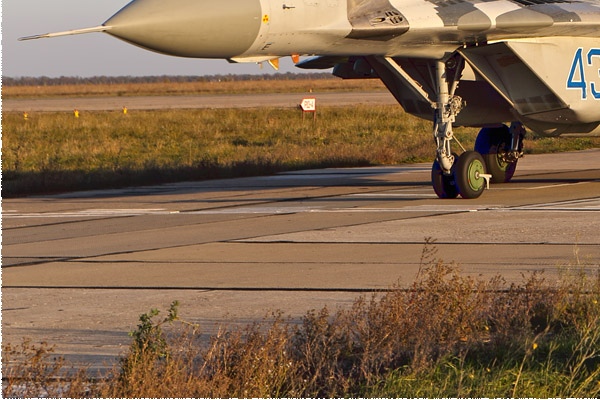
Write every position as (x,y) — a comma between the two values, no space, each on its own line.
(501,65)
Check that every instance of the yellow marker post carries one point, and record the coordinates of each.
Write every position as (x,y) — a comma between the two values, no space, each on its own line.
(76,113)
(124,110)
(25,116)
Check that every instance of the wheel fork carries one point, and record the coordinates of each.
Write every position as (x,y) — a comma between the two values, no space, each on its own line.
(517,132)
(447,107)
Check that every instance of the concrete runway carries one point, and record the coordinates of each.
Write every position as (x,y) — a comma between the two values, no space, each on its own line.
(79,268)
(278,100)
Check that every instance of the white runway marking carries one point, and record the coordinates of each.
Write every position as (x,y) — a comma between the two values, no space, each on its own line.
(393,195)
(587,205)
(93,213)
(556,185)
(574,205)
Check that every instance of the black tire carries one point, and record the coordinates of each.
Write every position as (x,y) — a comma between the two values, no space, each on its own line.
(467,175)
(493,144)
(443,185)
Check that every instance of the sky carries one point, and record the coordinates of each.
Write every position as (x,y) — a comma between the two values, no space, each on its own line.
(92,54)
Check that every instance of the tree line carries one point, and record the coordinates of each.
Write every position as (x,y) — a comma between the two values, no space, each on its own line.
(103,80)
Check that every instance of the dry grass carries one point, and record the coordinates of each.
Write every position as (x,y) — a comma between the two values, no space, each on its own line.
(194,88)
(55,151)
(52,152)
(448,335)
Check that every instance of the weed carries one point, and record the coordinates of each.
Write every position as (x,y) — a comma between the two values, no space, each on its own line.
(31,370)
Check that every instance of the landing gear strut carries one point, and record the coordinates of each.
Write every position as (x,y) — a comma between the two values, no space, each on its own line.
(451,175)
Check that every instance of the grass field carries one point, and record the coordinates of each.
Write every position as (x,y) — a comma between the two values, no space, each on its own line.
(52,152)
(55,151)
(194,88)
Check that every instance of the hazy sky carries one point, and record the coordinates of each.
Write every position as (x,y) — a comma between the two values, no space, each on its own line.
(91,54)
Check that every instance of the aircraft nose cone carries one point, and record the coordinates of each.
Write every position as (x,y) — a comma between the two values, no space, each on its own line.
(189,28)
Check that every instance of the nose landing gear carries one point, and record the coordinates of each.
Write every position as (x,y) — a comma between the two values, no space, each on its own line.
(451,176)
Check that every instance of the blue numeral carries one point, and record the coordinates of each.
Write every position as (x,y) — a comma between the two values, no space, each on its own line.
(594,53)
(577,79)
(577,67)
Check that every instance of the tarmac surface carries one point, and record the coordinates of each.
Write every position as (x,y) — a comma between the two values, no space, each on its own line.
(79,268)
(278,100)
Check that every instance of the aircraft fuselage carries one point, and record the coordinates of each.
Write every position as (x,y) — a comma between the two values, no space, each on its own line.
(539,62)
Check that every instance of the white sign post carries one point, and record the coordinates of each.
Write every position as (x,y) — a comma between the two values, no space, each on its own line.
(309,105)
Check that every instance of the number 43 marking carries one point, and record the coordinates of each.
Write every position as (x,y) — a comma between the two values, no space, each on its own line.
(577,78)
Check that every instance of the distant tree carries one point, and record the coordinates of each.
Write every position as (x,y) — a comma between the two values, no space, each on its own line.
(104,80)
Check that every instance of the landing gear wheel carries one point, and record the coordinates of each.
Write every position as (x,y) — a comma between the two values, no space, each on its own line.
(443,185)
(468,172)
(494,145)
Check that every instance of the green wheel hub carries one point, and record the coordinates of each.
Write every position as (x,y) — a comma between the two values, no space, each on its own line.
(474,171)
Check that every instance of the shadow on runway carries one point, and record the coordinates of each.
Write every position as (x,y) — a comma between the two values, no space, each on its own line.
(129,182)
(124,182)
(17,184)
(558,177)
